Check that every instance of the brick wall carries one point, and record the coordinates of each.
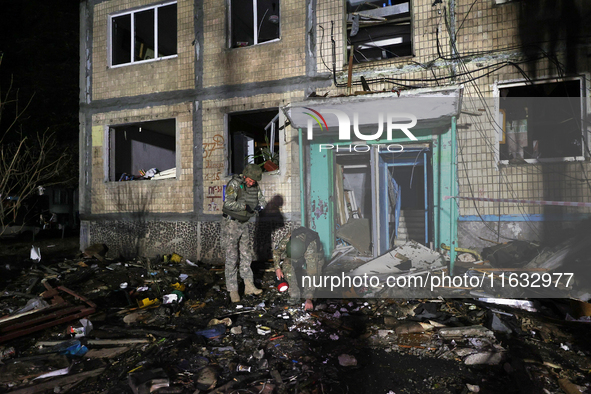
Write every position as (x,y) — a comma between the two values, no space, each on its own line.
(132,80)
(215,153)
(487,36)
(263,62)
(167,195)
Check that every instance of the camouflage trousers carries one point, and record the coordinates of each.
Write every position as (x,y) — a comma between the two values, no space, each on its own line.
(294,274)
(290,274)
(237,242)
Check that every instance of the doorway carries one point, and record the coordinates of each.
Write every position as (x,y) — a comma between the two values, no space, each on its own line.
(384,198)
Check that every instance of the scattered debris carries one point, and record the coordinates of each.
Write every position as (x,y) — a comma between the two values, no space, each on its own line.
(346,360)
(167,325)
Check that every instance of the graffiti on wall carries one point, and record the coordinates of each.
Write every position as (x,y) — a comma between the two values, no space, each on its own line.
(214,196)
(213,176)
(210,147)
(214,164)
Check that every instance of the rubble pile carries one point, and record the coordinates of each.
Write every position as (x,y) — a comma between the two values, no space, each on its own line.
(92,324)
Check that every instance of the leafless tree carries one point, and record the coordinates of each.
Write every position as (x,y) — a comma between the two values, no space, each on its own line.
(27,161)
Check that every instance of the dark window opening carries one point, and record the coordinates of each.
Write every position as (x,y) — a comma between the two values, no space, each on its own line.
(254,138)
(167,30)
(541,121)
(152,35)
(121,39)
(144,35)
(378,29)
(137,148)
(244,32)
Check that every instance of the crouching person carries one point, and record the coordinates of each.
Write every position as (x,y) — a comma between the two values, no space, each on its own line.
(302,255)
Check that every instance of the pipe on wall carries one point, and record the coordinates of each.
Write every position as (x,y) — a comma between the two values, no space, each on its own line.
(454,191)
(302,183)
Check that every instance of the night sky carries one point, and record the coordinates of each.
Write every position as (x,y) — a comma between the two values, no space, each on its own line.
(39,42)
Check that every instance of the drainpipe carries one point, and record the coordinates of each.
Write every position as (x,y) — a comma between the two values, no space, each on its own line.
(302,183)
(452,33)
(453,189)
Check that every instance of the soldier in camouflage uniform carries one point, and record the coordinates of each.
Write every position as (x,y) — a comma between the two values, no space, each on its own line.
(244,200)
(302,255)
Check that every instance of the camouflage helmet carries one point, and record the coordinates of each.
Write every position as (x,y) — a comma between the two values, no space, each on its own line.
(295,248)
(253,171)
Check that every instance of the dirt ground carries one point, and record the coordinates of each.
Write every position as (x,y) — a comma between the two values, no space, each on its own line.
(51,245)
(360,345)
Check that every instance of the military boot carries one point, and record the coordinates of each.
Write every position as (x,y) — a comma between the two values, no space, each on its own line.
(249,288)
(234,296)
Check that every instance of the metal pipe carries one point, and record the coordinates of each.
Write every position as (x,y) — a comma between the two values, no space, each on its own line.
(302,183)
(454,192)
(426,179)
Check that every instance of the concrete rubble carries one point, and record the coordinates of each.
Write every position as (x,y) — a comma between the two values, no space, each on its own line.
(197,341)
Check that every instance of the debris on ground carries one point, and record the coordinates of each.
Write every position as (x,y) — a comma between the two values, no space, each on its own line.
(92,324)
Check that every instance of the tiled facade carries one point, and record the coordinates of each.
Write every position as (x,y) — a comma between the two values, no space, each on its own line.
(488,37)
(270,61)
(285,183)
(167,195)
(273,74)
(134,80)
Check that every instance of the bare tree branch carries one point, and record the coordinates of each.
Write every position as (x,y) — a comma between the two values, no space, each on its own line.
(25,162)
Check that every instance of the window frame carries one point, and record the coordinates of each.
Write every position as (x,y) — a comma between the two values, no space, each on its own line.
(347,46)
(255,21)
(499,132)
(109,153)
(131,12)
(281,131)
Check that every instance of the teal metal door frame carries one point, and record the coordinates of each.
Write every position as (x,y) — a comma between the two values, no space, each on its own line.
(320,173)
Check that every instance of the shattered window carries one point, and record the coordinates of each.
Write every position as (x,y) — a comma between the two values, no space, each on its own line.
(378,30)
(253,22)
(148,34)
(541,121)
(140,151)
(254,138)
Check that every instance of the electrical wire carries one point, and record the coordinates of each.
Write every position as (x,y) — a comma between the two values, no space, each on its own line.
(492,68)
(321,41)
(484,137)
(507,183)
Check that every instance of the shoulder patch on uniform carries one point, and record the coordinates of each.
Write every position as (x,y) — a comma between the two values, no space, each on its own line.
(230,190)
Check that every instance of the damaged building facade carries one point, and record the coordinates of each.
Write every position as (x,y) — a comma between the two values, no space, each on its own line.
(198,89)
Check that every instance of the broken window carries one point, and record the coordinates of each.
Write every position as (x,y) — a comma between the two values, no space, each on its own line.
(253,22)
(541,121)
(378,30)
(148,33)
(137,148)
(254,138)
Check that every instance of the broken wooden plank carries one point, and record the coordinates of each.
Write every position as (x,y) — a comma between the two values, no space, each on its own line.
(101,342)
(19,369)
(60,312)
(107,353)
(39,388)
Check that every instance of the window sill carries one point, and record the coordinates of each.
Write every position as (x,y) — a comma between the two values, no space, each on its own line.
(255,45)
(509,163)
(144,61)
(272,173)
(141,181)
(373,63)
